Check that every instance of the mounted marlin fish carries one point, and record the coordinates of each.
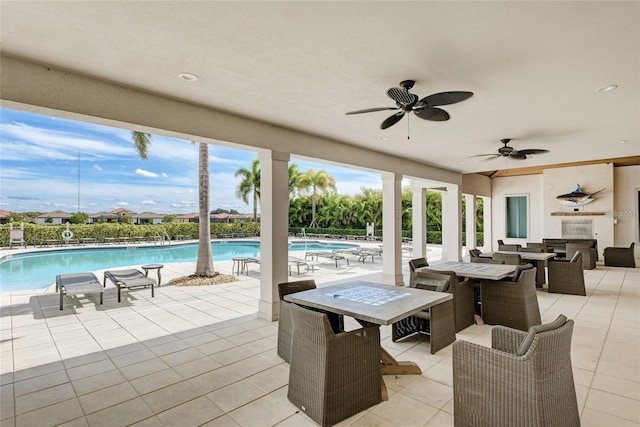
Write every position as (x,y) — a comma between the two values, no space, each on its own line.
(577,197)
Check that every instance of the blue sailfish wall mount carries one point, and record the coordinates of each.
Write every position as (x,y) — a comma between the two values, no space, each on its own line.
(577,198)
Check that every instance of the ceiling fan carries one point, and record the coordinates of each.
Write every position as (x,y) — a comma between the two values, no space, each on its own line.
(510,152)
(424,108)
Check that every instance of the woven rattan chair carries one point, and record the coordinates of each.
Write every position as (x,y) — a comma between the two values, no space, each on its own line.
(509,259)
(463,301)
(437,322)
(620,257)
(414,265)
(531,246)
(589,254)
(567,276)
(505,247)
(332,376)
(497,387)
(512,303)
(285,322)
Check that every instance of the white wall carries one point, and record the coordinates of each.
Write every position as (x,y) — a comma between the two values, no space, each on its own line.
(530,185)
(591,178)
(627,185)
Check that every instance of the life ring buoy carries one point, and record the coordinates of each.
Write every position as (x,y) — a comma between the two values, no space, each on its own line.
(67,234)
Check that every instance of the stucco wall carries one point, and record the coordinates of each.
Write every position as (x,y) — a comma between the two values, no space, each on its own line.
(625,214)
(618,200)
(529,185)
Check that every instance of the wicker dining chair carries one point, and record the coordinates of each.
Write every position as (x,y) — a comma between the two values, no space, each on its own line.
(463,300)
(414,265)
(589,254)
(620,257)
(509,259)
(525,379)
(567,276)
(438,321)
(332,376)
(512,303)
(285,322)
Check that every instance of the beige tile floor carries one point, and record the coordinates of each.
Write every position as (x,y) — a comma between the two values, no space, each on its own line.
(196,356)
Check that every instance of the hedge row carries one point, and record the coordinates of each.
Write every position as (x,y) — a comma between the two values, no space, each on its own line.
(35,234)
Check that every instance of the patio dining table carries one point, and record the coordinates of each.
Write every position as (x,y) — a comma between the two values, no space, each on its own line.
(373,303)
(474,271)
(538,259)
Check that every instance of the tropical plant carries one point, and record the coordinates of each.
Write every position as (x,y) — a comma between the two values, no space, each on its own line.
(316,183)
(250,184)
(204,264)
(294,174)
(79,218)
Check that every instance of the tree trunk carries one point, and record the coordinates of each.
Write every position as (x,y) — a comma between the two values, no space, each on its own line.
(255,206)
(204,265)
(313,213)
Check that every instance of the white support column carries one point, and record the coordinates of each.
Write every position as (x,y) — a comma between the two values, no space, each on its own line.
(470,221)
(392,228)
(486,227)
(274,229)
(451,223)
(419,221)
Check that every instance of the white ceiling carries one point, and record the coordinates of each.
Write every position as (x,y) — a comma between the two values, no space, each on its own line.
(534,67)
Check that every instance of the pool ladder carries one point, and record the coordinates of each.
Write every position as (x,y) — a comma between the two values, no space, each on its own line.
(162,238)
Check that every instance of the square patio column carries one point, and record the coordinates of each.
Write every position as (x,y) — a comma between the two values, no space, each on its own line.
(451,223)
(470,221)
(274,229)
(392,228)
(419,222)
(486,225)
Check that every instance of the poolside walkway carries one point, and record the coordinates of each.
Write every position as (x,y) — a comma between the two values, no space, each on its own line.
(200,356)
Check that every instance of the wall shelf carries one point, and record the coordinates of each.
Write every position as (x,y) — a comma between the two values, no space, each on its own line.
(578,213)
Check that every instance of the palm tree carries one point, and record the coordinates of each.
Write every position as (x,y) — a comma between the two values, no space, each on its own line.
(294,174)
(142,141)
(250,184)
(204,264)
(316,183)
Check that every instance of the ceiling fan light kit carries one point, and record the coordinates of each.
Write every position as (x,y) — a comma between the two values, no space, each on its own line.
(425,108)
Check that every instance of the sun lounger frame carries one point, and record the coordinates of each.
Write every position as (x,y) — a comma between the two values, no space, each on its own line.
(78,283)
(329,255)
(118,279)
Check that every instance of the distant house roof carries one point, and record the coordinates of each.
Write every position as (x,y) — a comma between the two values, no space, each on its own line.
(149,215)
(123,211)
(55,214)
(106,215)
(188,216)
(4,214)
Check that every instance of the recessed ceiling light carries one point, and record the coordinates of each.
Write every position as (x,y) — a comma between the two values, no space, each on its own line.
(383,138)
(622,141)
(606,88)
(188,77)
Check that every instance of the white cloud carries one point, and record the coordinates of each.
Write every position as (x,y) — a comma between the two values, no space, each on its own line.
(122,204)
(149,202)
(145,173)
(165,175)
(97,167)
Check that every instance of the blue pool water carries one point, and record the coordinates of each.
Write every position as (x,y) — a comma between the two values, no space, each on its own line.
(39,269)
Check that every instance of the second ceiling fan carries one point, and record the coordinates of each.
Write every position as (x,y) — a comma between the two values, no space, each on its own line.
(510,152)
(425,108)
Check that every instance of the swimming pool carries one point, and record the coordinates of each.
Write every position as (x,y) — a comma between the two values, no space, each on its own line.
(36,270)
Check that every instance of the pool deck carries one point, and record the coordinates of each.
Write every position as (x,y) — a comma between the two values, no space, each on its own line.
(195,356)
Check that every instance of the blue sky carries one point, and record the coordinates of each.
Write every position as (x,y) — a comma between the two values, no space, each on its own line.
(39,169)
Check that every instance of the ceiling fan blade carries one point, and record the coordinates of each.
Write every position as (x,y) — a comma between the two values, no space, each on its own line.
(495,156)
(483,155)
(434,114)
(532,151)
(371,110)
(446,98)
(390,121)
(402,96)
